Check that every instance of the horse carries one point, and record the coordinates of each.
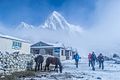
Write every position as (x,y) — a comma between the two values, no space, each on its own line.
(55,61)
(38,60)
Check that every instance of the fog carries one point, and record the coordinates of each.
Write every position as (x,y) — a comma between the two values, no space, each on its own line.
(103,36)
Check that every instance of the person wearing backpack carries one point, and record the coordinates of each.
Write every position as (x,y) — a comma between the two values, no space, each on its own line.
(101,61)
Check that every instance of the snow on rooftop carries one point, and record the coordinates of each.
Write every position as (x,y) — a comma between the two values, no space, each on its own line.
(58,44)
(11,37)
(69,48)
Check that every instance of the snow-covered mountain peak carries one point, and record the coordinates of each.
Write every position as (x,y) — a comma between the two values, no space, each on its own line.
(55,13)
(24,26)
(57,22)
(57,16)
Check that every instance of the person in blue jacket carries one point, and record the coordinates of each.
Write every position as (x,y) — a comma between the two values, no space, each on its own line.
(76,57)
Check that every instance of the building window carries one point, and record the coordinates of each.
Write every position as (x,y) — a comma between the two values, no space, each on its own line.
(62,53)
(56,52)
(70,53)
(16,45)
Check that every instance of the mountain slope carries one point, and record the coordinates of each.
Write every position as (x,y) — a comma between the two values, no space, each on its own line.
(57,22)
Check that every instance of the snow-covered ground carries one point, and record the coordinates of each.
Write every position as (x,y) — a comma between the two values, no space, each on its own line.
(70,72)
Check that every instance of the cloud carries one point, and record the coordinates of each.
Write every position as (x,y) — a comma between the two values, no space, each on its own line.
(2,28)
(104,35)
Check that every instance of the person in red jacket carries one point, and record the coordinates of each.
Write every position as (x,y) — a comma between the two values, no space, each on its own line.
(89,58)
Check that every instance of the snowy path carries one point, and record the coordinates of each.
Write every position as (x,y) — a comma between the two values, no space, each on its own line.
(111,71)
(70,72)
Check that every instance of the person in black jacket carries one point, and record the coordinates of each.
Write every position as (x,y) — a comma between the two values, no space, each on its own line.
(93,59)
(101,60)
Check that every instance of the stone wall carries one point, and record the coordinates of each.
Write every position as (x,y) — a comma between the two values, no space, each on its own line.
(15,62)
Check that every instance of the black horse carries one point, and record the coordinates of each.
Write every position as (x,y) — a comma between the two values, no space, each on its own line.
(38,60)
(55,61)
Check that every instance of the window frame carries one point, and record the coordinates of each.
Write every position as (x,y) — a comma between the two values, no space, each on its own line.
(16,45)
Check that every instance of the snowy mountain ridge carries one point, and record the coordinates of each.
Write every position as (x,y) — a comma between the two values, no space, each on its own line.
(24,26)
(54,22)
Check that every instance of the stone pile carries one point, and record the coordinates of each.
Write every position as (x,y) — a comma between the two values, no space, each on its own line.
(15,62)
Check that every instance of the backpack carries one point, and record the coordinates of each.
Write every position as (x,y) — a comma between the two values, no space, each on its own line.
(93,57)
(77,57)
(89,56)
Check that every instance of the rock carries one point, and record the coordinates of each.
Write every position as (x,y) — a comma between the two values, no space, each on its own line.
(38,76)
(44,75)
(32,79)
(2,76)
(116,56)
(99,78)
(117,62)
(80,77)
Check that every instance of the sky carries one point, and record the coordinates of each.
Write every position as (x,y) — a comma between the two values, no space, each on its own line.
(99,19)
(35,12)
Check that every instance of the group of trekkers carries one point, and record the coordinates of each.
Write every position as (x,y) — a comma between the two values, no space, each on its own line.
(92,60)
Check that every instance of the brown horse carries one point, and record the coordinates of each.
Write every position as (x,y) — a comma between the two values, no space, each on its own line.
(38,60)
(55,61)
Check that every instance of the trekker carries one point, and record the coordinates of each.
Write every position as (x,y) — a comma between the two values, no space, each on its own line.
(89,58)
(93,59)
(101,61)
(76,57)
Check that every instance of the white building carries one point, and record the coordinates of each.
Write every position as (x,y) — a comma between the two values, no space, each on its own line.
(54,49)
(11,44)
(49,49)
